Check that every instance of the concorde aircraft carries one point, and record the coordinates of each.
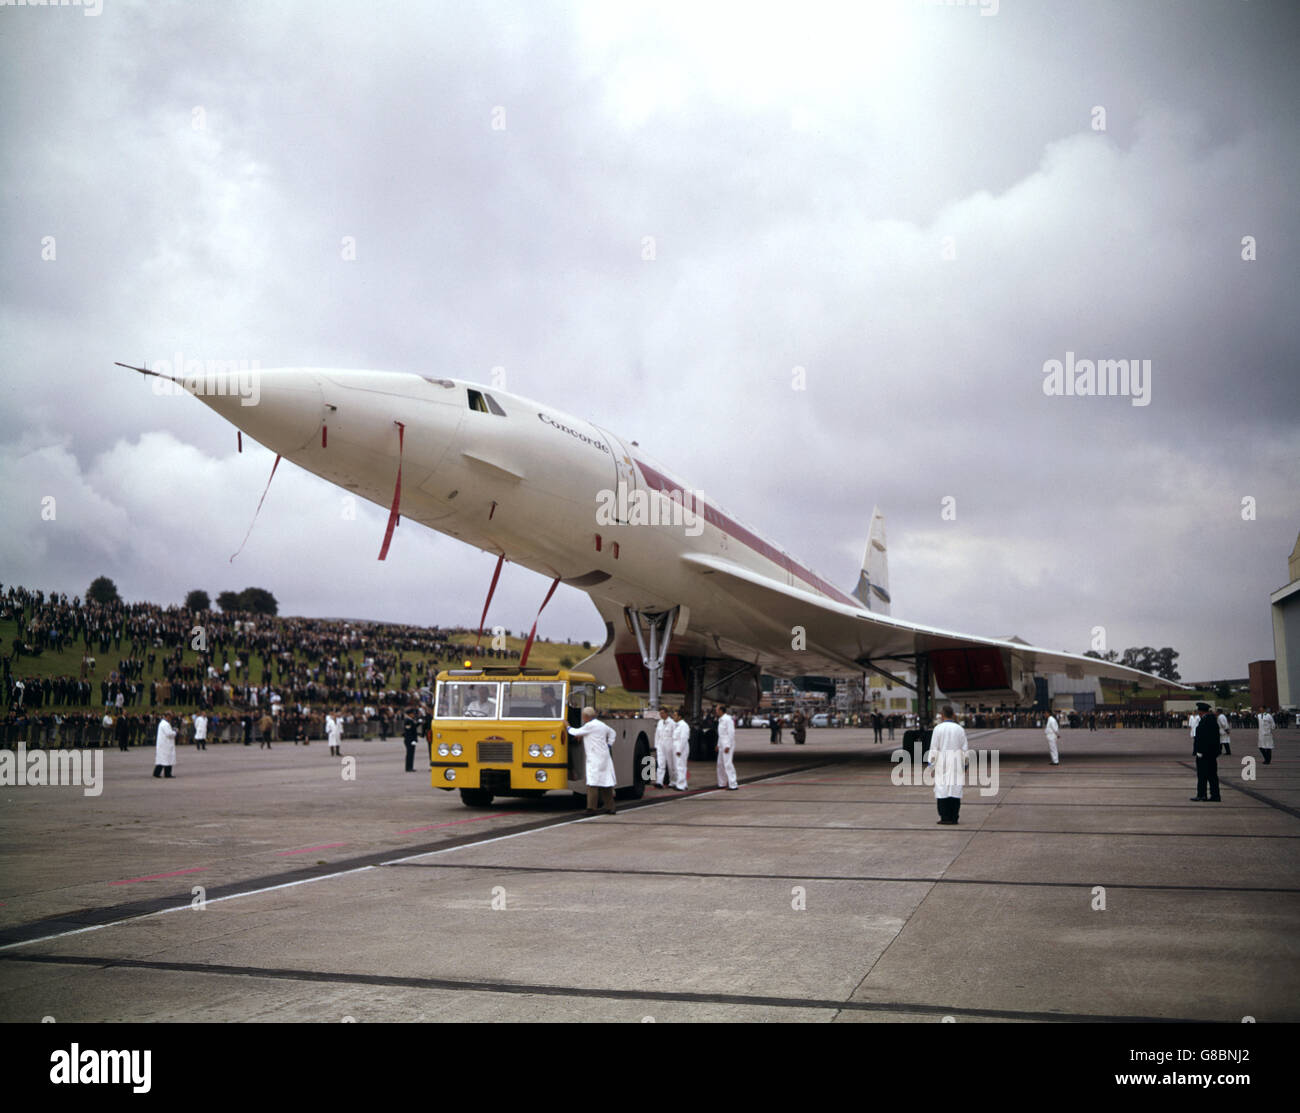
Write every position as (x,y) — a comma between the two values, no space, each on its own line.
(694,602)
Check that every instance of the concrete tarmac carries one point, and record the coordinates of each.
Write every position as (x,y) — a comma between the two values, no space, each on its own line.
(267,885)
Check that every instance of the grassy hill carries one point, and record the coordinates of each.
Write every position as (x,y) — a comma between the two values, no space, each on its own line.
(68,663)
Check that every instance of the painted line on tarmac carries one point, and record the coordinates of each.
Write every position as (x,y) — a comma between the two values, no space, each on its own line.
(988,881)
(515,834)
(20,935)
(178,908)
(455,822)
(398,981)
(466,846)
(640,805)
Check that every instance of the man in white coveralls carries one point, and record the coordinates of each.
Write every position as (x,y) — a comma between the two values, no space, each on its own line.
(726,749)
(663,749)
(947,757)
(1053,732)
(681,749)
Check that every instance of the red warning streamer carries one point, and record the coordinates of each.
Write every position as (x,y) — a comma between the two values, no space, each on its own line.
(257,511)
(397,492)
(495,576)
(528,645)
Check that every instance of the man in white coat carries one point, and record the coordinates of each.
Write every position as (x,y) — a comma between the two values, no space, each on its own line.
(947,757)
(598,740)
(1225,738)
(200,731)
(1053,732)
(165,746)
(681,749)
(334,733)
(726,749)
(663,748)
(1266,736)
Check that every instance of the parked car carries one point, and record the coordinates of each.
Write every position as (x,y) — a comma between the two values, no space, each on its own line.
(821,719)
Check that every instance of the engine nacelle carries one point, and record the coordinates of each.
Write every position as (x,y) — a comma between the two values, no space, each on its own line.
(986,674)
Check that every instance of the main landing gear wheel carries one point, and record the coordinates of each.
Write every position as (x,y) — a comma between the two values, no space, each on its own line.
(475,797)
(641,756)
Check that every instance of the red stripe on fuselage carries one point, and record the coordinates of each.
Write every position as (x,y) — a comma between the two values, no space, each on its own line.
(659,482)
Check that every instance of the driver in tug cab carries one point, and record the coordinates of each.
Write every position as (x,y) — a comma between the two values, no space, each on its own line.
(550,702)
(481,704)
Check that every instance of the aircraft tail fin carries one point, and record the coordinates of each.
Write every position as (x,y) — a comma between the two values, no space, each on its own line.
(873,581)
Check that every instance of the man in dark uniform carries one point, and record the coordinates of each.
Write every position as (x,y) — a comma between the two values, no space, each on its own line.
(709,738)
(774,729)
(410,732)
(426,727)
(1205,745)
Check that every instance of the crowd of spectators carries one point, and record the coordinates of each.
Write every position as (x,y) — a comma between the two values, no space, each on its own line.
(130,660)
(256,675)
(1106,719)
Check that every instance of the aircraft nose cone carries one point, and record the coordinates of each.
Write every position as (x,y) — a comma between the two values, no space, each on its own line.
(279,408)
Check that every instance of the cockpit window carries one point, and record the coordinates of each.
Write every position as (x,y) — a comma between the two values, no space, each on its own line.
(484,403)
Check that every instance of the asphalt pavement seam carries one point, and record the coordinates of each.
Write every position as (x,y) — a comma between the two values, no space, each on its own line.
(683,996)
(843,877)
(981,830)
(1254,794)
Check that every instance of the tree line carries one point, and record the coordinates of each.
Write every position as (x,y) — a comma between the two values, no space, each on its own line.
(252,600)
(1160,662)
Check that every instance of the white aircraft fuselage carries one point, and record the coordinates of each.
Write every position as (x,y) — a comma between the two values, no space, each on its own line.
(574,502)
(521,478)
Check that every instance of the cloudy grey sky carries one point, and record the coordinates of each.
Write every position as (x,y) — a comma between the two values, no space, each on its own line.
(919,204)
